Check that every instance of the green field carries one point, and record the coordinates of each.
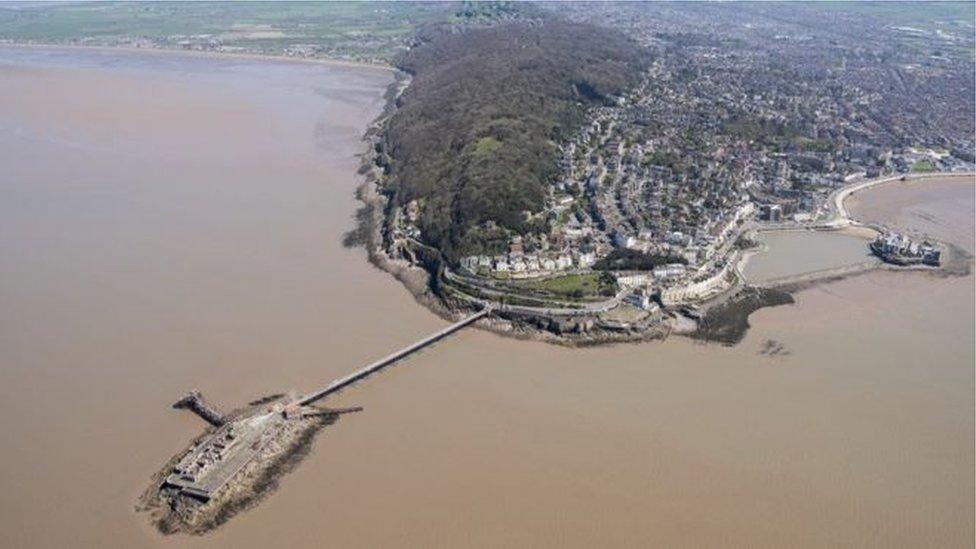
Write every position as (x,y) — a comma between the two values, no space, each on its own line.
(357,29)
(923,15)
(923,166)
(573,285)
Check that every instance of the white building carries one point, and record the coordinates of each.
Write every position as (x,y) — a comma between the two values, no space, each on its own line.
(631,280)
(586,260)
(641,299)
(698,290)
(671,270)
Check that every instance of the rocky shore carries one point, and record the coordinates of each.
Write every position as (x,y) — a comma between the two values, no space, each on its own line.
(728,322)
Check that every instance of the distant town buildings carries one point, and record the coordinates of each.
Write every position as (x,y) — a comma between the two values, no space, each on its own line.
(734,125)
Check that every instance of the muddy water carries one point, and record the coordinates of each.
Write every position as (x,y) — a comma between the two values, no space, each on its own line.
(791,252)
(911,206)
(168,223)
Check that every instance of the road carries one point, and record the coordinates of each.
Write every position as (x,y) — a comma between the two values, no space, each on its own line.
(842,218)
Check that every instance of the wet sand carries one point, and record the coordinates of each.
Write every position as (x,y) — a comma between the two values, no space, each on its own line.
(175,224)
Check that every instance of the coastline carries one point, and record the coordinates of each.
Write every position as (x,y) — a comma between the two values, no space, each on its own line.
(870,402)
(171,514)
(203,54)
(725,318)
(370,221)
(837,199)
(417,280)
(742,297)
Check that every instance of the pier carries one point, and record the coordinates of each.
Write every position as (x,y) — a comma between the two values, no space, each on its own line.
(195,402)
(344,382)
(237,442)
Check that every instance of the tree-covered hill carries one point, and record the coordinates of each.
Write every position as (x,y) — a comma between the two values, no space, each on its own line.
(475,137)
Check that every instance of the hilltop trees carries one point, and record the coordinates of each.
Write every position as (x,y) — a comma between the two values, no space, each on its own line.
(475,137)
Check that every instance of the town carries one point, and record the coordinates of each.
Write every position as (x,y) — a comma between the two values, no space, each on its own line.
(658,193)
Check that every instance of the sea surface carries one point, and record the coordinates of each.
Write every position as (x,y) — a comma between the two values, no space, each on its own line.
(170,223)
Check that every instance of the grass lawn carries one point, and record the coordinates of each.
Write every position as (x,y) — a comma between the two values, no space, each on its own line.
(923,166)
(573,285)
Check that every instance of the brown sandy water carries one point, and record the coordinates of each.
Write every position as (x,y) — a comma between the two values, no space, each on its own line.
(911,206)
(168,224)
(792,252)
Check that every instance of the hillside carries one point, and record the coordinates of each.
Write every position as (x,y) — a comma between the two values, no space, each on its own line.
(475,136)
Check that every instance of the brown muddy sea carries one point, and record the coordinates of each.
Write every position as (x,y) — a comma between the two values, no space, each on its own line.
(172,222)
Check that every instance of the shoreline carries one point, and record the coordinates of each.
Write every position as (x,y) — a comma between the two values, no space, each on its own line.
(371,218)
(725,320)
(170,513)
(859,389)
(838,198)
(203,54)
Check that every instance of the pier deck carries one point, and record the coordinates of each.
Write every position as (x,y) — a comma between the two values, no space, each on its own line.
(341,383)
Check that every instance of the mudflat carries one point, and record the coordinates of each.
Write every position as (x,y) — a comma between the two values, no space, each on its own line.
(168,224)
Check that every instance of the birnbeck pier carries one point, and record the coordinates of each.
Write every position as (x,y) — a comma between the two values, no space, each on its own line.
(344,382)
(241,444)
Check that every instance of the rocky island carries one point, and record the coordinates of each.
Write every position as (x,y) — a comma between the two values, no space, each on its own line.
(234,463)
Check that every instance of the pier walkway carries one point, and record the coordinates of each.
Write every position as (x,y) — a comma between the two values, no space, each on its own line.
(344,382)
